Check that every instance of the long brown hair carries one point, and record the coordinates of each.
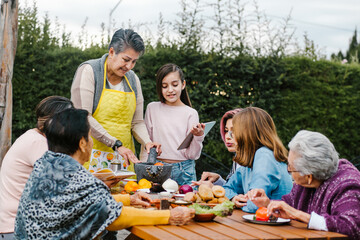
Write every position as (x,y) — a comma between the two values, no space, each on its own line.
(254,128)
(162,73)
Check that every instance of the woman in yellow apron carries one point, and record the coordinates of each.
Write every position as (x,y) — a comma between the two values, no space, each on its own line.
(111,92)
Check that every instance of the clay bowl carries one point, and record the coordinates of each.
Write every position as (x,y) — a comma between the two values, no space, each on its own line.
(204,217)
(177,203)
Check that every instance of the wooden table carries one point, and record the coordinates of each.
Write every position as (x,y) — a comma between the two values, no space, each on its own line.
(232,227)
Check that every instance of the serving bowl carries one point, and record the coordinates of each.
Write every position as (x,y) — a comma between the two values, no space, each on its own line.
(177,203)
(204,217)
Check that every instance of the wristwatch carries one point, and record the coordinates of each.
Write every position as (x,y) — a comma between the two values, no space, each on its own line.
(117,144)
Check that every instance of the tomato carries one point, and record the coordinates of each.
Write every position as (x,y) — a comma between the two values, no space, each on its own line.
(261,214)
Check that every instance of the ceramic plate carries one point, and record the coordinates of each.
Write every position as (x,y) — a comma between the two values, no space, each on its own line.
(250,218)
(178,195)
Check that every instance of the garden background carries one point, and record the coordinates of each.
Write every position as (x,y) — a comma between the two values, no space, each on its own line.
(297,86)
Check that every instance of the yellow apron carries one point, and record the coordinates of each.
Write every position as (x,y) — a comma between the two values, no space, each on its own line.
(114,112)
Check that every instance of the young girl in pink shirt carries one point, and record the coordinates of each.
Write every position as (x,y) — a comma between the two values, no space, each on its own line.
(171,120)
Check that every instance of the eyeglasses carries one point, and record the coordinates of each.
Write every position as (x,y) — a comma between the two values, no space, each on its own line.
(231,134)
(291,171)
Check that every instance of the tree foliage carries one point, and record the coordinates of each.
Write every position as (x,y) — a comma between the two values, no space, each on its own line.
(299,91)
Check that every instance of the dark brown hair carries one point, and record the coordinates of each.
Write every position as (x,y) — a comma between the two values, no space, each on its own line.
(48,107)
(254,128)
(162,73)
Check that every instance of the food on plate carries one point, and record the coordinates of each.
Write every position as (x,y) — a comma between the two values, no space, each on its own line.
(214,195)
(190,196)
(131,187)
(177,203)
(205,192)
(185,189)
(222,210)
(158,164)
(213,201)
(222,199)
(218,191)
(261,214)
(144,183)
(170,185)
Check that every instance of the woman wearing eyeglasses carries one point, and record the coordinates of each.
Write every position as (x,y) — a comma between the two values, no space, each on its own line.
(326,192)
(262,157)
(225,126)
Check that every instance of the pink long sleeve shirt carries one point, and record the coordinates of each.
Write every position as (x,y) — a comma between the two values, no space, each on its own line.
(17,165)
(169,125)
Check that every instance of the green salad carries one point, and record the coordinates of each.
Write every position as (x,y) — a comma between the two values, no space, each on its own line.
(222,210)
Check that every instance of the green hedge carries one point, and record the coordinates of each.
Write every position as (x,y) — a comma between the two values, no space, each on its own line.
(298,92)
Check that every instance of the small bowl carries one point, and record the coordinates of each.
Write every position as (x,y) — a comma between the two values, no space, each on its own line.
(165,195)
(204,217)
(177,203)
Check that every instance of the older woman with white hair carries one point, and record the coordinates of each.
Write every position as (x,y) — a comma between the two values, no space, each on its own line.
(326,191)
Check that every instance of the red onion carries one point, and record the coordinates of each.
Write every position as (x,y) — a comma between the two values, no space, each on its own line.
(185,189)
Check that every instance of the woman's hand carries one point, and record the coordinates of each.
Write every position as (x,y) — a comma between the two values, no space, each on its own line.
(258,197)
(181,215)
(284,210)
(111,183)
(240,200)
(127,155)
(198,129)
(149,145)
(206,177)
(140,198)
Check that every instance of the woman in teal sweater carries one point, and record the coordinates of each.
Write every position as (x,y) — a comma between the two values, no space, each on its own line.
(262,157)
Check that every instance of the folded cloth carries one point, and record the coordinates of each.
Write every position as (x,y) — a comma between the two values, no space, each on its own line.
(62,200)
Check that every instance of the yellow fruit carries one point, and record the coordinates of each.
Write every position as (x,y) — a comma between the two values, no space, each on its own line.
(131,186)
(143,183)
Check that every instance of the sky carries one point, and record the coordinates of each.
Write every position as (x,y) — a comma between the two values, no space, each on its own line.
(329,23)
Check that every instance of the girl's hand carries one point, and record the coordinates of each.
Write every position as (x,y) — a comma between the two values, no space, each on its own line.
(181,215)
(258,197)
(127,155)
(198,129)
(153,144)
(240,200)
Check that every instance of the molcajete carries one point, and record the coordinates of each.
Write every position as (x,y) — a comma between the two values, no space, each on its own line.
(155,174)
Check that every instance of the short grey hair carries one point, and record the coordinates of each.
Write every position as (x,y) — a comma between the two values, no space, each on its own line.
(127,38)
(317,155)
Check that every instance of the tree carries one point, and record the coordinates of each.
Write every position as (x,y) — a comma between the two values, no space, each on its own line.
(8,40)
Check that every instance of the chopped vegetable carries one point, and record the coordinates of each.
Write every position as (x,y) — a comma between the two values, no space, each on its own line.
(222,210)
(261,214)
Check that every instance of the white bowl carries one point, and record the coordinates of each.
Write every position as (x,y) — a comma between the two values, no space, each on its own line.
(145,190)
(165,194)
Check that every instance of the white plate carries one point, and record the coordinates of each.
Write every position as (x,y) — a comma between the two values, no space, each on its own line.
(145,190)
(279,221)
(178,195)
(122,174)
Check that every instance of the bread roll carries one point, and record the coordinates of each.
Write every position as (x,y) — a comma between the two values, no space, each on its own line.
(190,196)
(218,191)
(205,192)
